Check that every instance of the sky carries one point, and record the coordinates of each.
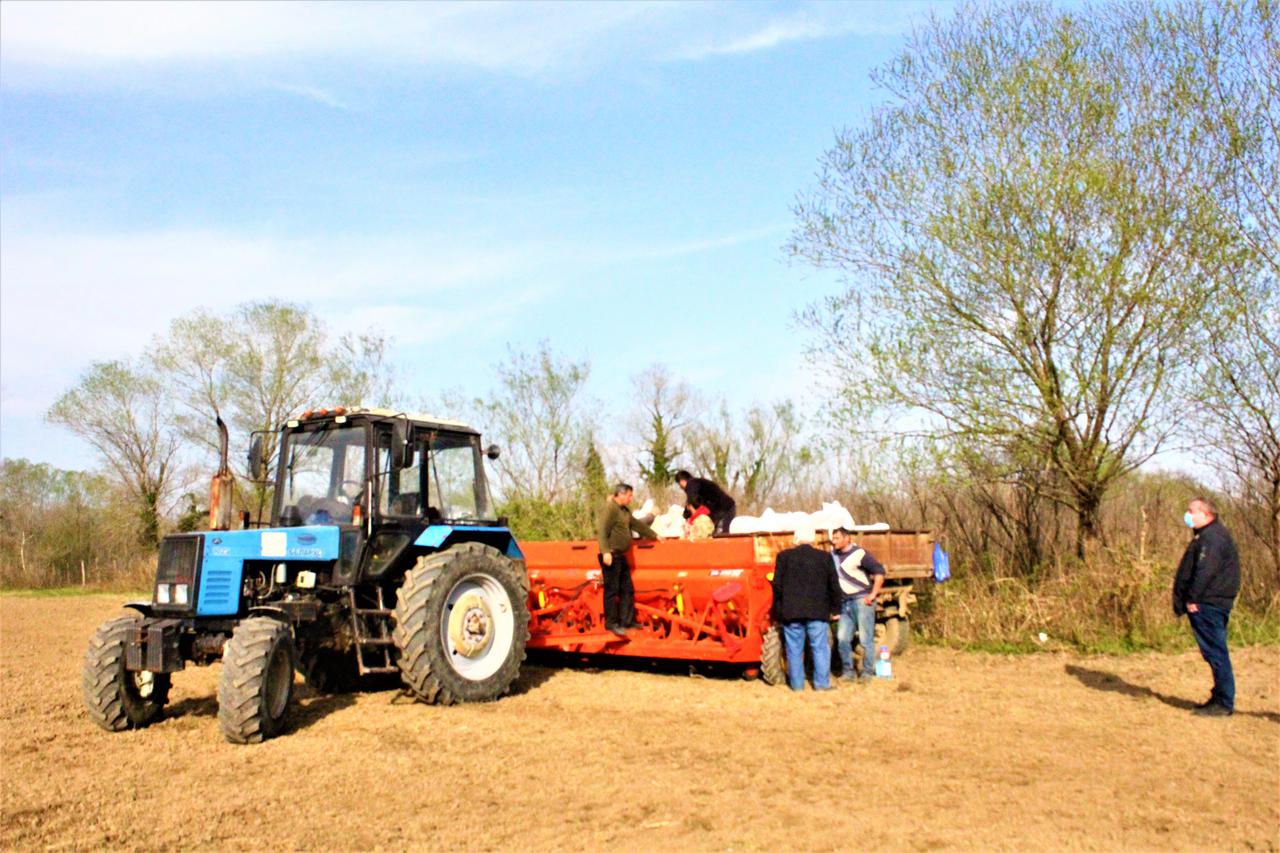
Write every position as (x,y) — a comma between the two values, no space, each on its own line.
(613,178)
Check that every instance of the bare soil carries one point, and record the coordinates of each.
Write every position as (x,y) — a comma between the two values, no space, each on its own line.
(1049,751)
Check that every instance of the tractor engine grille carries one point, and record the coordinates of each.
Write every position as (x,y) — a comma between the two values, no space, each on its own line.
(179,556)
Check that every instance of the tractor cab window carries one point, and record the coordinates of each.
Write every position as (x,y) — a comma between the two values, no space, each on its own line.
(455,483)
(324,474)
(400,492)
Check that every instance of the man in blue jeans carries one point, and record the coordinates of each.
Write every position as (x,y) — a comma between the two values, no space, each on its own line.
(861,577)
(806,594)
(1205,588)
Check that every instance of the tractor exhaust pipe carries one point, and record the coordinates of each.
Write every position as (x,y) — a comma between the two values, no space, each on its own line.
(222,489)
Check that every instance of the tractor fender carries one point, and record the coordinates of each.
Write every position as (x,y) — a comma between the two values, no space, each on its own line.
(440,536)
(143,607)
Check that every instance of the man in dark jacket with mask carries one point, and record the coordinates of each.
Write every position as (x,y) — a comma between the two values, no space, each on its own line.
(1205,588)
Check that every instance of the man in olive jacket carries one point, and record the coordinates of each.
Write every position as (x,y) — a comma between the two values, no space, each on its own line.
(806,594)
(1205,588)
(614,526)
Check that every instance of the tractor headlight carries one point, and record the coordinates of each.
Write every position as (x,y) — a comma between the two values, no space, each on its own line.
(180,593)
(162,593)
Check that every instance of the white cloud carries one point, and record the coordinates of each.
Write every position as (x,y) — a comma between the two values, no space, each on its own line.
(70,298)
(310,93)
(810,23)
(95,44)
(523,37)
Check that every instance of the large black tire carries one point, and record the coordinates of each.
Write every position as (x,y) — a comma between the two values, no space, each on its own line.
(472,655)
(116,698)
(773,657)
(257,680)
(897,635)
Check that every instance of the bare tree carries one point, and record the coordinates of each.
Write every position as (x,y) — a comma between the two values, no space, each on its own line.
(666,405)
(758,456)
(260,365)
(1232,74)
(123,414)
(538,413)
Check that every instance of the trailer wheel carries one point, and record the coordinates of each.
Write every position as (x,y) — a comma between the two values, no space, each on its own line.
(773,657)
(116,698)
(897,634)
(461,624)
(257,680)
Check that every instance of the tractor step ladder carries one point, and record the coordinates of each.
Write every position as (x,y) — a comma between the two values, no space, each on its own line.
(376,641)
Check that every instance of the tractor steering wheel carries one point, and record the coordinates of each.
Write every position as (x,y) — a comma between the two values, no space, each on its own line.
(355,495)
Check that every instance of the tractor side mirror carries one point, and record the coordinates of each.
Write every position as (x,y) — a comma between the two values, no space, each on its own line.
(401,446)
(257,465)
(493,451)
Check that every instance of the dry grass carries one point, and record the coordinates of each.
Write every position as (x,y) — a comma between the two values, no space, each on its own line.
(1113,604)
(963,750)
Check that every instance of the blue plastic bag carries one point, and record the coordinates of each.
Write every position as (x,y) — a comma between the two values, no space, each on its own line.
(941,564)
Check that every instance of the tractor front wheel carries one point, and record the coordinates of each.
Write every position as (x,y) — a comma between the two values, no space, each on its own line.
(461,624)
(117,698)
(257,680)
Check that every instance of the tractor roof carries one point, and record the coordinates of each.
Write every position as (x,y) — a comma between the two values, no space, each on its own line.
(417,418)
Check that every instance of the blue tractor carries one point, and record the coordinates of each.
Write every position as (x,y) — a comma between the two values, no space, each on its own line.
(382,555)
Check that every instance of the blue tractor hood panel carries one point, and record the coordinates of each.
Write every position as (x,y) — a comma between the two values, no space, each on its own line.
(225,552)
(436,535)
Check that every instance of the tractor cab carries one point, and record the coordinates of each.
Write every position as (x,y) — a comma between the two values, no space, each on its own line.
(374,467)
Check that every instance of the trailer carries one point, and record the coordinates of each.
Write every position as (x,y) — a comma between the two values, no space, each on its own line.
(703,600)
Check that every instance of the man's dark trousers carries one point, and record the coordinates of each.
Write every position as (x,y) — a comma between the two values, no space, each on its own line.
(1210,626)
(619,592)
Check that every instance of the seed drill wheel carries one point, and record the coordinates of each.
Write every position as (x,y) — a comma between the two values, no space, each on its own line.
(461,624)
(257,680)
(773,657)
(116,698)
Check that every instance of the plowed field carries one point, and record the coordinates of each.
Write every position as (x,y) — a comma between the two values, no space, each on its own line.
(1048,751)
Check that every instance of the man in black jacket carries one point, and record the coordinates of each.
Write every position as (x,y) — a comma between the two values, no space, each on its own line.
(806,594)
(1205,587)
(702,492)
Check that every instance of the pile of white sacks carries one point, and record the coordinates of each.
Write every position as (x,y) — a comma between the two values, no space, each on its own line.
(670,525)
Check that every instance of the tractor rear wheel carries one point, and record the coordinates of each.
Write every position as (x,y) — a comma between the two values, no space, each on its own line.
(116,698)
(257,680)
(461,624)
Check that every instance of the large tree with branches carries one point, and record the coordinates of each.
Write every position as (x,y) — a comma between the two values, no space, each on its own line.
(1030,237)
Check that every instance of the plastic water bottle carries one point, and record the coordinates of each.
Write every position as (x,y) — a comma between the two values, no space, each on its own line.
(884,667)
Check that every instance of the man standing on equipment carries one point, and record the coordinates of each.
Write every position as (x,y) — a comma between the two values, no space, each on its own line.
(1205,587)
(702,492)
(614,527)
